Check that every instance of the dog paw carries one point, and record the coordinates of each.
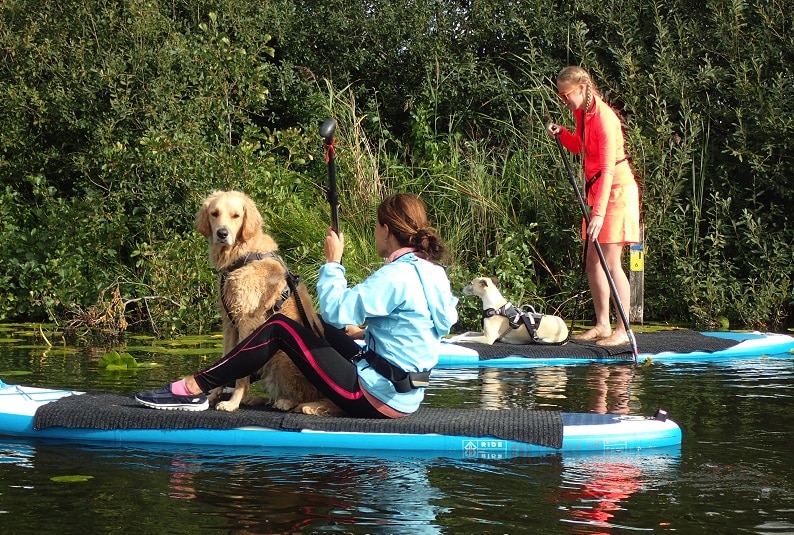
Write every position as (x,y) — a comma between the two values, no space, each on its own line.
(468,336)
(318,408)
(226,406)
(255,401)
(285,405)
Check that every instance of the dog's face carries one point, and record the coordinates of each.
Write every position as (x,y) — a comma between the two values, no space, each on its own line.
(226,217)
(479,286)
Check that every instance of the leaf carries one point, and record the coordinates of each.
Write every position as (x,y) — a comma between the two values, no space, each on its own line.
(71,479)
(113,360)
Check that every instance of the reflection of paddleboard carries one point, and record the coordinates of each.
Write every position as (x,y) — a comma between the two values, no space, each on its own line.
(664,346)
(118,420)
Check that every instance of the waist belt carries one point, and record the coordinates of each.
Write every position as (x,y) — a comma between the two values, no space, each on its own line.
(590,181)
(402,380)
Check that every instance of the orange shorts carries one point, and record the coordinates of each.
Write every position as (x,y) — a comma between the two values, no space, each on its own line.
(622,219)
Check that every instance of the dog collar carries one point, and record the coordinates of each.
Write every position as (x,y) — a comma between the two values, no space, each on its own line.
(250,257)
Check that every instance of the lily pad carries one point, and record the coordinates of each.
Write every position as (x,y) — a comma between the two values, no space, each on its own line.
(71,479)
(174,350)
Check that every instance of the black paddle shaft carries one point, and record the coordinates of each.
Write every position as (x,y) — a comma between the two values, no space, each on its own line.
(610,280)
(327,130)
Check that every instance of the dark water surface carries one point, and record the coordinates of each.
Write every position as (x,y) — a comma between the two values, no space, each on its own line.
(734,472)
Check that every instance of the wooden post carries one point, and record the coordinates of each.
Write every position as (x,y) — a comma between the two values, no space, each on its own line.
(637,277)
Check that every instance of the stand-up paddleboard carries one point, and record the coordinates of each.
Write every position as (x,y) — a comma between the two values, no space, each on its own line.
(664,346)
(112,419)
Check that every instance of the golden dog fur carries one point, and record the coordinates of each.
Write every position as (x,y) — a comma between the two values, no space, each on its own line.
(232,225)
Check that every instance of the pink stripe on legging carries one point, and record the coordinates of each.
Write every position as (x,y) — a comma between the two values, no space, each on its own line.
(306,353)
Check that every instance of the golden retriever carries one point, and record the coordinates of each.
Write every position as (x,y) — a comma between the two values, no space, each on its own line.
(252,279)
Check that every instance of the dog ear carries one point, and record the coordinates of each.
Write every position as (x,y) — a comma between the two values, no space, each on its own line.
(203,215)
(495,282)
(252,223)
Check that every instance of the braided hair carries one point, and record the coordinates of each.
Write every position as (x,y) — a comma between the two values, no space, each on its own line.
(575,75)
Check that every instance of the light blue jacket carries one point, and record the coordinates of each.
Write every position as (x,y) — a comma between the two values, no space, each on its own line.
(407,306)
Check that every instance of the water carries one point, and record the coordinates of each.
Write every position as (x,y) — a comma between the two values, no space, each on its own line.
(732,474)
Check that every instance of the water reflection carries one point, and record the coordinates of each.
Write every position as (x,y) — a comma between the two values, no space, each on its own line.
(282,492)
(271,495)
(597,500)
(523,388)
(595,495)
(16,453)
(611,387)
(232,492)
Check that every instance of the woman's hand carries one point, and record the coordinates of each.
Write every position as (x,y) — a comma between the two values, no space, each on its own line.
(334,246)
(594,228)
(553,129)
(355,332)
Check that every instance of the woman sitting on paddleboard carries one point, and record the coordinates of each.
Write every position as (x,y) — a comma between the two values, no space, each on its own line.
(407,306)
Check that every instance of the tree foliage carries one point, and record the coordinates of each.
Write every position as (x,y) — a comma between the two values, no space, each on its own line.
(120,116)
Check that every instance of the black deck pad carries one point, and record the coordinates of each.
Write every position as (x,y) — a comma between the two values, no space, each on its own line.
(678,341)
(113,411)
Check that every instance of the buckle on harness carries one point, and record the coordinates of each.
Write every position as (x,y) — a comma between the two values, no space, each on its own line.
(403,381)
(419,379)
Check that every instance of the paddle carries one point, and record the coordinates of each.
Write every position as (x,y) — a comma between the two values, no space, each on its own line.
(327,130)
(612,287)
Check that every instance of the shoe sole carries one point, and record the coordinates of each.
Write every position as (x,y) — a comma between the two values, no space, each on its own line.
(192,407)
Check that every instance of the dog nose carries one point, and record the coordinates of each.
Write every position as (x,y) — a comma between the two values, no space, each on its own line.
(222,233)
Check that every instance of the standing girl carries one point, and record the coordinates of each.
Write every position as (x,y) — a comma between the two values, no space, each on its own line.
(612,194)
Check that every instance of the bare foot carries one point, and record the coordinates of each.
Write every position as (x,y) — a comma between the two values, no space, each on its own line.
(616,339)
(593,334)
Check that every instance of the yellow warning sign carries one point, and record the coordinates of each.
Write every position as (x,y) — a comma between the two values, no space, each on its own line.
(637,258)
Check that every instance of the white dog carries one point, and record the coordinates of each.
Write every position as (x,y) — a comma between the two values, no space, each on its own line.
(498,314)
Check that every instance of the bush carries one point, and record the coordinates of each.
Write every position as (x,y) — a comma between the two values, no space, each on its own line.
(120,117)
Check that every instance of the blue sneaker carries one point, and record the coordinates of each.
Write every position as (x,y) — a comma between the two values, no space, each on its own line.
(163,398)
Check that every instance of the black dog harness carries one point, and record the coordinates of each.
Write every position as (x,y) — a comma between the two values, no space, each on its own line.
(517,317)
(286,293)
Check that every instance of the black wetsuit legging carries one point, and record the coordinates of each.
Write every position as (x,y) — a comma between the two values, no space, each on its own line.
(326,363)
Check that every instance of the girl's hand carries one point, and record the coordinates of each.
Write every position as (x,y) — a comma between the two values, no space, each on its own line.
(553,129)
(594,228)
(334,246)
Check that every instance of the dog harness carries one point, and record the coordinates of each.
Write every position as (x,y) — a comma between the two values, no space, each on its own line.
(517,317)
(286,293)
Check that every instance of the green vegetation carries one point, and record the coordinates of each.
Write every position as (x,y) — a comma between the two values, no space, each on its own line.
(115,361)
(119,117)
